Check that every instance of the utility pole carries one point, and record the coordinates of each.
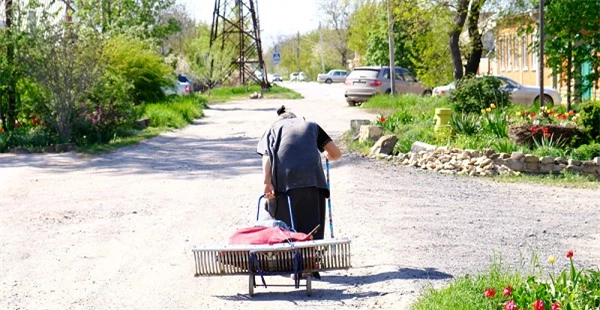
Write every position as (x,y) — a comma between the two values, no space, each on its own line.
(391,47)
(541,54)
(298,52)
(322,50)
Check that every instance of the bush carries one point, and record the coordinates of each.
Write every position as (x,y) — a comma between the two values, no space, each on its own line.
(586,151)
(473,94)
(139,65)
(590,119)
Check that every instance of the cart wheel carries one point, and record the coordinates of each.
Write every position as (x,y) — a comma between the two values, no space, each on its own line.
(251,285)
(309,285)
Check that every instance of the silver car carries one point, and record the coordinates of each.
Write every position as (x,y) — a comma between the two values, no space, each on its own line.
(333,76)
(521,94)
(527,95)
(365,82)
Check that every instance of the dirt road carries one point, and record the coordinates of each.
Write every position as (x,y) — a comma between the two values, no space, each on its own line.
(116,231)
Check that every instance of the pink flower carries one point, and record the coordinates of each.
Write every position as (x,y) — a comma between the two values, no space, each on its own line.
(510,305)
(507,291)
(489,293)
(538,305)
(555,306)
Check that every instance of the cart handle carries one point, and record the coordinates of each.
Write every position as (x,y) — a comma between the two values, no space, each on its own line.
(289,206)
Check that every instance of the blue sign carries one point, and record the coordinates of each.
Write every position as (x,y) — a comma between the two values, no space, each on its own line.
(276,58)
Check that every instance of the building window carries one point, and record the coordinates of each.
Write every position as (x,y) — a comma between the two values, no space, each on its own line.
(524,53)
(534,58)
(515,55)
(500,54)
(508,54)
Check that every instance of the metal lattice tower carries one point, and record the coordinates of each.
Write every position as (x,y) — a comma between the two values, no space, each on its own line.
(235,23)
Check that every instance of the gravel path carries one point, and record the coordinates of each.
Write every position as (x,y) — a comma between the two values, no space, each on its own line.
(116,231)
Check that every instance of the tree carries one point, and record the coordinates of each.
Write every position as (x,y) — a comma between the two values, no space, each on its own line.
(472,10)
(572,32)
(141,18)
(362,23)
(68,66)
(212,64)
(337,17)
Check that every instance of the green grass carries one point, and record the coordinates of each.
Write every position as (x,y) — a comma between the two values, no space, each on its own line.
(466,292)
(224,94)
(176,112)
(564,179)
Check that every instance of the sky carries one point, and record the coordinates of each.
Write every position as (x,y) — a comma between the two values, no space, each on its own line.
(277,17)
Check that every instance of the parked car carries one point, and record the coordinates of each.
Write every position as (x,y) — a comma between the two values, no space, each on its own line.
(443,90)
(364,82)
(275,77)
(297,76)
(520,94)
(181,86)
(333,76)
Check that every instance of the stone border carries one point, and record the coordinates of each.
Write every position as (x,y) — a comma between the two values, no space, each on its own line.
(488,163)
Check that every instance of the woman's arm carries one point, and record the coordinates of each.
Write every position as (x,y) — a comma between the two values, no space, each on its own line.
(269,190)
(332,152)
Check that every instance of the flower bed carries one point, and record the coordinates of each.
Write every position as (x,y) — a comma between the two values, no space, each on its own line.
(527,134)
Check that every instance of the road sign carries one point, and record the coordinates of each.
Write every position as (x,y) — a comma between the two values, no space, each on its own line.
(276,58)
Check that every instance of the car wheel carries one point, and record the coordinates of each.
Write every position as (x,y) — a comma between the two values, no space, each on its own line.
(328,81)
(547,100)
(351,103)
(427,93)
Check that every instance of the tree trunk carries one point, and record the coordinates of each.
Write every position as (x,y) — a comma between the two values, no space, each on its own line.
(459,22)
(475,38)
(569,73)
(11,84)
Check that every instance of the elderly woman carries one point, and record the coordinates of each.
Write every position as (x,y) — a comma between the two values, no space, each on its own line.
(291,150)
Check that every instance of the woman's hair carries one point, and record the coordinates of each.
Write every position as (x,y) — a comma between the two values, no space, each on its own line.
(283,114)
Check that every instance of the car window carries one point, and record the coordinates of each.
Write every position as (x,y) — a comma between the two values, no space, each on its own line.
(364,73)
(408,75)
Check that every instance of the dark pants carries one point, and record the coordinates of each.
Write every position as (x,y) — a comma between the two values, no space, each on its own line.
(308,207)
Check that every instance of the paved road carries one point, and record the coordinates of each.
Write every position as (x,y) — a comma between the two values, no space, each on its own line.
(116,231)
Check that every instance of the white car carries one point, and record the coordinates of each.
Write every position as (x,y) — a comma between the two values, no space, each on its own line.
(181,86)
(521,94)
(297,76)
(443,90)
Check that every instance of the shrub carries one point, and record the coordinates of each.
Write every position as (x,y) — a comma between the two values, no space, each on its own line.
(473,94)
(140,65)
(586,151)
(590,119)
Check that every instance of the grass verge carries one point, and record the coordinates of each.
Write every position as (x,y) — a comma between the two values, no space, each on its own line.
(224,94)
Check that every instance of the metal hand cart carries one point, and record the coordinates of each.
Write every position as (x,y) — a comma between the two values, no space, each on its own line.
(300,259)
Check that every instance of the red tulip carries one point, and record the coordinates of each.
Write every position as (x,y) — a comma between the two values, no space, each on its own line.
(382,119)
(510,305)
(507,291)
(555,306)
(490,293)
(1,130)
(569,253)
(538,305)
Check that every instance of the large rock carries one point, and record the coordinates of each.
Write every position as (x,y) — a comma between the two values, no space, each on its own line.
(418,146)
(370,132)
(385,145)
(356,123)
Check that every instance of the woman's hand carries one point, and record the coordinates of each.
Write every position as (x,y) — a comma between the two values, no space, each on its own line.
(269,191)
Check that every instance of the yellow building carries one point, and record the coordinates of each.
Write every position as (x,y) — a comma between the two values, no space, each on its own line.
(517,60)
